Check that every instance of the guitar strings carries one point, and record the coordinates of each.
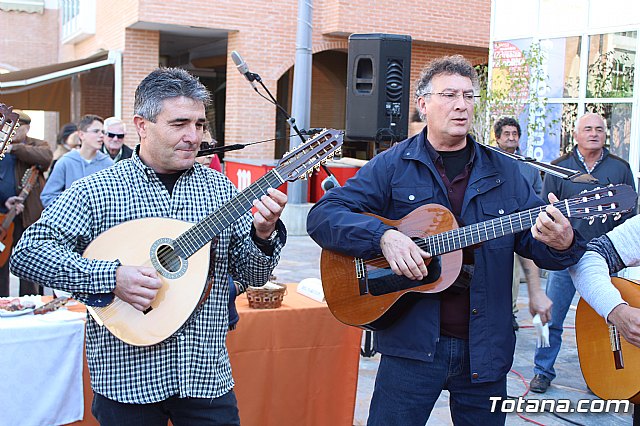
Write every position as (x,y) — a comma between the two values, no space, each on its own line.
(467,231)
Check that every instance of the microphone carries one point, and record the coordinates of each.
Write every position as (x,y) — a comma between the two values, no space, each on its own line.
(243,68)
(329,182)
(215,150)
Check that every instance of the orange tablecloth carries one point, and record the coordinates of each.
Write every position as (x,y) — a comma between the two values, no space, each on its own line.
(295,365)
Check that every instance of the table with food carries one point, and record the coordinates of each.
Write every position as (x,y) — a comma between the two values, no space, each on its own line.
(41,353)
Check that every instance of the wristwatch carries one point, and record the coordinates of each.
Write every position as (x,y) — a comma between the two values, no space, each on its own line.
(265,242)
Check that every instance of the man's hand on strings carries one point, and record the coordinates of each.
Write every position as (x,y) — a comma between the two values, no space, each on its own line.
(552,227)
(403,255)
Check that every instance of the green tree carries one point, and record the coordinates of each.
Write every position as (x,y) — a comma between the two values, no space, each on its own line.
(515,84)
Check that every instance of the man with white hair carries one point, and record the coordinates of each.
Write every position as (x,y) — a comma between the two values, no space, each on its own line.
(114,133)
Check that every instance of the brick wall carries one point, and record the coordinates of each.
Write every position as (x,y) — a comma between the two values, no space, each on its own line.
(265,36)
(28,39)
(97,92)
(139,59)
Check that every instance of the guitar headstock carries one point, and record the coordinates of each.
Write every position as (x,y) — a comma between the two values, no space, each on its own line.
(29,179)
(300,162)
(600,202)
(8,126)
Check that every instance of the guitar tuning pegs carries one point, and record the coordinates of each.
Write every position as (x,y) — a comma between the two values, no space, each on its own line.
(617,216)
(604,218)
(591,220)
(597,196)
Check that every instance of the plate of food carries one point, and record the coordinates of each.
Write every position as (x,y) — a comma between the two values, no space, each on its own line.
(15,307)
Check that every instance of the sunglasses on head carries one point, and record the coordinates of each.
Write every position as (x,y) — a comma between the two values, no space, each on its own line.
(114,135)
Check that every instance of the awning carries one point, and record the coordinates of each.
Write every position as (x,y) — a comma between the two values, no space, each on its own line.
(27,79)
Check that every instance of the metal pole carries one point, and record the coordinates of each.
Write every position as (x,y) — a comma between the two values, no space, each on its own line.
(301,98)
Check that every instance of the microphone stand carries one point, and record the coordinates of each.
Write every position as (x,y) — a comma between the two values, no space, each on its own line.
(289,119)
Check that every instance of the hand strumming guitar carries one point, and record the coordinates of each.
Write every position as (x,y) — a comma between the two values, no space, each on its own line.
(627,321)
(137,285)
(403,255)
(552,227)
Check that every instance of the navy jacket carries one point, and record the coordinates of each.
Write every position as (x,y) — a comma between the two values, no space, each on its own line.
(403,178)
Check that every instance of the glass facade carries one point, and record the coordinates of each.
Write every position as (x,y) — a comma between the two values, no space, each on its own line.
(571,85)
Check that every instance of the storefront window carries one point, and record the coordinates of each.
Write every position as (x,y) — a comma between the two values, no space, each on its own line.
(562,66)
(569,117)
(618,117)
(611,59)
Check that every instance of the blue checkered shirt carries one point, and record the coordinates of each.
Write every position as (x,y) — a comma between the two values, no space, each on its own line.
(194,361)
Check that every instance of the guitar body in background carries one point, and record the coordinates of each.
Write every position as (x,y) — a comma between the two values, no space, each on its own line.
(6,240)
(596,355)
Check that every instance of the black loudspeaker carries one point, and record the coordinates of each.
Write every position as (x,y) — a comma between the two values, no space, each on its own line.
(378,87)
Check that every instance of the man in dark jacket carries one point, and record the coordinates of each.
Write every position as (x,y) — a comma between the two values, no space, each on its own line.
(589,156)
(461,339)
(23,153)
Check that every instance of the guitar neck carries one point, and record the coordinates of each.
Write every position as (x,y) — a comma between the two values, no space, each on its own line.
(207,229)
(466,236)
(11,214)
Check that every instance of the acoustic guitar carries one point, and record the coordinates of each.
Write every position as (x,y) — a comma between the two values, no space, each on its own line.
(608,362)
(29,179)
(367,294)
(180,251)
(8,125)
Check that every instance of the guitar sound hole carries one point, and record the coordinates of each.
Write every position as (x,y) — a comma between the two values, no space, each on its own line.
(168,258)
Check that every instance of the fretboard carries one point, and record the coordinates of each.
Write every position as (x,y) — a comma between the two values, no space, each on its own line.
(469,235)
(207,229)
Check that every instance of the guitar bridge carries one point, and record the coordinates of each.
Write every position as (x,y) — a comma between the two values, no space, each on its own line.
(361,275)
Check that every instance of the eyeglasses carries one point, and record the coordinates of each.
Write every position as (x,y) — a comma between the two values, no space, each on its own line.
(114,135)
(452,96)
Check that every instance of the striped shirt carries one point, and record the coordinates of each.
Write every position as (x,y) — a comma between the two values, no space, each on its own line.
(194,361)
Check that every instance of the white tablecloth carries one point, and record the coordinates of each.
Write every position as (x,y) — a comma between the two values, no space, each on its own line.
(41,369)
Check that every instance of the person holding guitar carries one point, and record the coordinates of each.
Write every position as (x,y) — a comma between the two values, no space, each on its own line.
(23,153)
(187,376)
(607,255)
(461,339)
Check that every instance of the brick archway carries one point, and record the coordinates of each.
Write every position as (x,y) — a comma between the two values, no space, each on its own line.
(341,45)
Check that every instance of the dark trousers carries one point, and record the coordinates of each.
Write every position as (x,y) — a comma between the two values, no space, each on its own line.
(406,389)
(221,411)
(26,286)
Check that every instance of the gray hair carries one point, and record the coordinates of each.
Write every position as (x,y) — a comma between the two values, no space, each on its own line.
(165,83)
(576,126)
(449,65)
(108,122)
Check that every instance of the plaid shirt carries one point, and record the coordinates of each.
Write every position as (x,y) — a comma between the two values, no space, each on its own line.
(194,361)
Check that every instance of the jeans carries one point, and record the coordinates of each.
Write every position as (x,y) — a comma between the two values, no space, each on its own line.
(182,411)
(406,389)
(560,290)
